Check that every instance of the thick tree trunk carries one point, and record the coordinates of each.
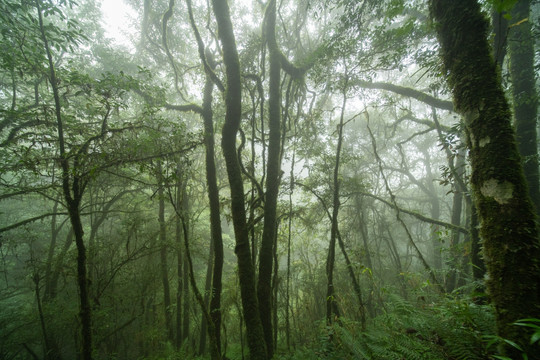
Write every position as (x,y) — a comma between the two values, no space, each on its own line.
(507,217)
(233,114)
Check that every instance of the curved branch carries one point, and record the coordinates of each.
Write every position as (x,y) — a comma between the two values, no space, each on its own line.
(184,108)
(166,17)
(200,46)
(409,92)
(294,71)
(415,214)
(27,221)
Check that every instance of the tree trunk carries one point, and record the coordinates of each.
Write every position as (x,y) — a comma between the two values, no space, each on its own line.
(185,273)
(76,185)
(264,285)
(457,207)
(164,269)
(331,303)
(215,216)
(233,114)
(524,95)
(179,260)
(507,217)
(207,291)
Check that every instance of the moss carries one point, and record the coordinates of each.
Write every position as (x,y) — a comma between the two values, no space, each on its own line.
(508,228)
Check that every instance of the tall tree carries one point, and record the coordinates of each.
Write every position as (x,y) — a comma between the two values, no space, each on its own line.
(264,285)
(506,213)
(73,186)
(233,114)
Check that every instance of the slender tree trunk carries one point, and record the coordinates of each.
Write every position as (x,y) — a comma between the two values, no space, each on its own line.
(264,285)
(163,250)
(525,95)
(72,200)
(51,350)
(215,216)
(506,213)
(233,113)
(435,212)
(179,262)
(185,273)
(55,229)
(457,207)
(289,236)
(331,302)
(500,35)
(207,291)
(85,312)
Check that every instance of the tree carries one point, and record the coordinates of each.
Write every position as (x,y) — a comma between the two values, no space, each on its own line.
(508,223)
(233,103)
(524,94)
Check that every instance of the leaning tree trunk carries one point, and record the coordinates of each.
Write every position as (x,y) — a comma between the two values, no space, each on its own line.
(233,114)
(506,214)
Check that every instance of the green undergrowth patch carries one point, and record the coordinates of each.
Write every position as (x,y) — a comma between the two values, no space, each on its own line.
(450,328)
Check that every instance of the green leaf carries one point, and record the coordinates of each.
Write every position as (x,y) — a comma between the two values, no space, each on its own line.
(535,337)
(513,344)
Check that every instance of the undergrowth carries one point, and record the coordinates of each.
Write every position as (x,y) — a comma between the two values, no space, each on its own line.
(449,329)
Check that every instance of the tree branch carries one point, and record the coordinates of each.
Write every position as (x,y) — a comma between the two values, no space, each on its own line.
(408,92)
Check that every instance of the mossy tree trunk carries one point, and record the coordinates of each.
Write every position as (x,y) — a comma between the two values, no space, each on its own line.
(233,114)
(506,213)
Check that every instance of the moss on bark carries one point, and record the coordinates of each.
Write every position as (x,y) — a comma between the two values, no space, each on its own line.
(507,218)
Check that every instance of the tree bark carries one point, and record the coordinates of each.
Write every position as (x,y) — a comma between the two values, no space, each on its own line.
(508,223)
(215,216)
(457,207)
(264,285)
(233,114)
(331,303)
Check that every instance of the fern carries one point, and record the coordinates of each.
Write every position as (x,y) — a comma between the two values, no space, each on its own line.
(452,329)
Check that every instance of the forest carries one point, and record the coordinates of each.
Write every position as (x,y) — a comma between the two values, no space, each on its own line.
(270,179)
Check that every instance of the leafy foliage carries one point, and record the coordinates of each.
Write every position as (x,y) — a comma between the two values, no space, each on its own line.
(448,329)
